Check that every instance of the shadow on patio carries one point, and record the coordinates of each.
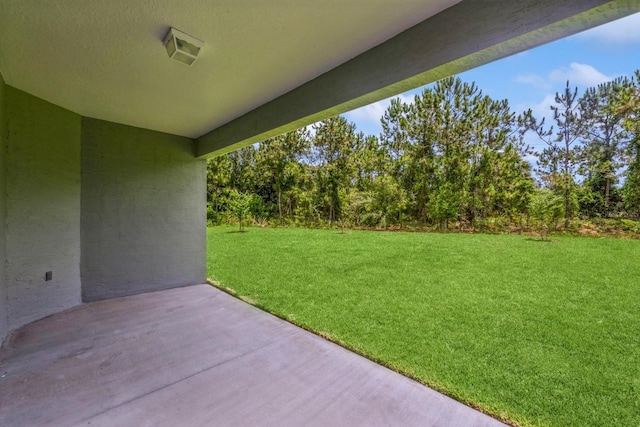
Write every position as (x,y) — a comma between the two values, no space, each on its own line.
(197,356)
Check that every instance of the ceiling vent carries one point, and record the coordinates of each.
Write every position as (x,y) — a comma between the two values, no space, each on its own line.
(182,47)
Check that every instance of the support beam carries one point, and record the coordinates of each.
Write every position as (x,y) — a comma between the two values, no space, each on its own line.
(467,35)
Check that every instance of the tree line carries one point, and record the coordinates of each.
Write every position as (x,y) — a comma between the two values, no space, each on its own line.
(453,157)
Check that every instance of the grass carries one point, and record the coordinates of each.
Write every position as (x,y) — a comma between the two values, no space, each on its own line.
(532,333)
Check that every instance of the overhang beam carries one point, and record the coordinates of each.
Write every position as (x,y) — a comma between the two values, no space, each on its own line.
(467,35)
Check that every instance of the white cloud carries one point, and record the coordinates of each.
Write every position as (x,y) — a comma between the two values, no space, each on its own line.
(533,80)
(540,109)
(622,31)
(369,115)
(579,74)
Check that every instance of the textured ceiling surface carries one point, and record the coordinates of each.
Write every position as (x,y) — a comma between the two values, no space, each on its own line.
(105,59)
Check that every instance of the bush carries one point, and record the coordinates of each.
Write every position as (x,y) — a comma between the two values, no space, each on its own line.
(546,209)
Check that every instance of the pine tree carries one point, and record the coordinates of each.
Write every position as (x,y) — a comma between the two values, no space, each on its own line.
(629,106)
(280,164)
(557,162)
(603,143)
(333,145)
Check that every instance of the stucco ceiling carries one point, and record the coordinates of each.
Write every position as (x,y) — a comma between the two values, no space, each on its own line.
(105,59)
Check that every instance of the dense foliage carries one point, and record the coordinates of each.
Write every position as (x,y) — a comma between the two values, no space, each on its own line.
(452,157)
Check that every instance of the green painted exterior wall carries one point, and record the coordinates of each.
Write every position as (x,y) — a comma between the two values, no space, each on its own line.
(43,207)
(3,214)
(143,211)
(110,210)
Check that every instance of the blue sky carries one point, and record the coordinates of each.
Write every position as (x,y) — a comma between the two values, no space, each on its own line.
(530,79)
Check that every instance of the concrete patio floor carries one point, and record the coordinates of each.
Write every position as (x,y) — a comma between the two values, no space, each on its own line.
(196,356)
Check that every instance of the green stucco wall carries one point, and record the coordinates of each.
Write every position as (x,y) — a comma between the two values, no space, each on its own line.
(43,207)
(3,212)
(143,211)
(110,210)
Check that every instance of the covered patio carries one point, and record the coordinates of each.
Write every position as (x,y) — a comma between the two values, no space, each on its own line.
(103,147)
(197,356)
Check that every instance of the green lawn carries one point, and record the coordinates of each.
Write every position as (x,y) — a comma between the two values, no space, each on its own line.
(537,333)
